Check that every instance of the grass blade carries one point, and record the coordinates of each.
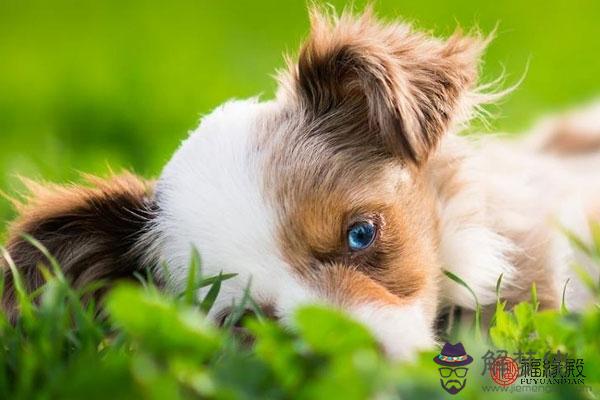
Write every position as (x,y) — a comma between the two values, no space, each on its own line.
(498,284)
(461,282)
(239,309)
(534,297)
(193,275)
(25,304)
(212,294)
(53,262)
(563,305)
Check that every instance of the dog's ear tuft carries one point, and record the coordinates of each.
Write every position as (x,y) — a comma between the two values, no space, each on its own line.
(96,232)
(405,86)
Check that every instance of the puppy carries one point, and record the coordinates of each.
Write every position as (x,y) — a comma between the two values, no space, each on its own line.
(350,188)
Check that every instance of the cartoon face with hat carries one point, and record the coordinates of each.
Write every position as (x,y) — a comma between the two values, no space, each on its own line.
(453,373)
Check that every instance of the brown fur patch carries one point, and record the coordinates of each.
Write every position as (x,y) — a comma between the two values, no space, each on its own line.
(346,287)
(393,85)
(319,205)
(94,232)
(567,140)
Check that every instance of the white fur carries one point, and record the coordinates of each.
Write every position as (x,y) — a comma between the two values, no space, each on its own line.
(478,255)
(402,330)
(470,247)
(209,196)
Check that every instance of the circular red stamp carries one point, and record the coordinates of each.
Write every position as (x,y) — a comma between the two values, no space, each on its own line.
(504,371)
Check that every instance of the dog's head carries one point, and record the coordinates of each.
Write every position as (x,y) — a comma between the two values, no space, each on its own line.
(322,195)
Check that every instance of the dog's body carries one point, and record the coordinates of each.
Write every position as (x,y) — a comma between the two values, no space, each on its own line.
(528,193)
(350,188)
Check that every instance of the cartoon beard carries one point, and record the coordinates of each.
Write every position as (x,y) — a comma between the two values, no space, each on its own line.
(453,386)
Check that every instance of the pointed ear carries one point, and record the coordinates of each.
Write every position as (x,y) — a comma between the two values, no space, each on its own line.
(401,86)
(95,232)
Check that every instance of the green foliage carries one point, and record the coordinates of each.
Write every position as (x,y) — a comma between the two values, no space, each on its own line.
(148,344)
(528,329)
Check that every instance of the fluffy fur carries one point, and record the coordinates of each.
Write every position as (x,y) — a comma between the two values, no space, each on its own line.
(363,128)
(93,231)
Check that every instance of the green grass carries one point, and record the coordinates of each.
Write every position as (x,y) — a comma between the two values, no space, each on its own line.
(145,343)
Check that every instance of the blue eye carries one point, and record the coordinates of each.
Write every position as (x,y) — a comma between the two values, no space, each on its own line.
(361,235)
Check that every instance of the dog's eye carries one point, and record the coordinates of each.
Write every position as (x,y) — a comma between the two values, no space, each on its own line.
(361,235)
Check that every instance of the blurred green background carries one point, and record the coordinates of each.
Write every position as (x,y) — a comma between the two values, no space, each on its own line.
(88,85)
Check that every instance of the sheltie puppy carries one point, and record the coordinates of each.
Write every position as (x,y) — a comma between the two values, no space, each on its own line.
(350,188)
